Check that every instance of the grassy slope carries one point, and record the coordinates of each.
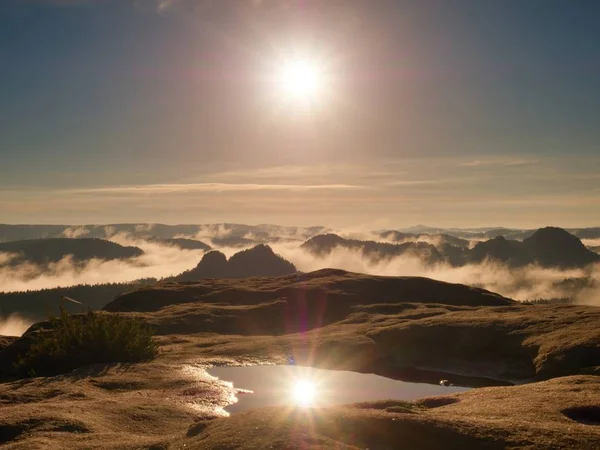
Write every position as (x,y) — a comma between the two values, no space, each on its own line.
(376,323)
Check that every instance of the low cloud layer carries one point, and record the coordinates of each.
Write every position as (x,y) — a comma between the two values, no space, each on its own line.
(591,242)
(523,284)
(157,262)
(14,325)
(527,283)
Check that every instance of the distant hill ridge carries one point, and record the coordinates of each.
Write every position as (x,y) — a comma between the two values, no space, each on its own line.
(183,243)
(46,251)
(228,232)
(548,247)
(262,233)
(324,244)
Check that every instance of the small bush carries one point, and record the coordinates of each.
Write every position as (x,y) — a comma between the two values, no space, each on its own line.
(72,341)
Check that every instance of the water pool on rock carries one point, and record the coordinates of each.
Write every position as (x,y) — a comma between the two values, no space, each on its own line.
(296,386)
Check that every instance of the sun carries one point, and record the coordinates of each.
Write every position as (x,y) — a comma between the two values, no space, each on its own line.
(301,79)
(303,393)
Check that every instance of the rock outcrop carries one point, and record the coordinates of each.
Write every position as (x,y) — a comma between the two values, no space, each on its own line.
(256,261)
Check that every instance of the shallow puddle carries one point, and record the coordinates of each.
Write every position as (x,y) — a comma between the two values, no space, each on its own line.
(297,386)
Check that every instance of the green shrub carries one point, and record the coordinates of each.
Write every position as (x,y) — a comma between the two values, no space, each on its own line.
(71,341)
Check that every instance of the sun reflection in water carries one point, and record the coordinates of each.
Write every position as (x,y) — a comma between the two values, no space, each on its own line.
(303,393)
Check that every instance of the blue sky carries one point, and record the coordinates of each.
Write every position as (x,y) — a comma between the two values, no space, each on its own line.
(451,113)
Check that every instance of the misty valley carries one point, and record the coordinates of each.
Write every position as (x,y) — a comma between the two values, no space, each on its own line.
(98,263)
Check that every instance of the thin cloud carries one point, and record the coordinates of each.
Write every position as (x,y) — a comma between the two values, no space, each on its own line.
(209,187)
(62,3)
(497,162)
(365,169)
(278,172)
(414,182)
(163,6)
(438,181)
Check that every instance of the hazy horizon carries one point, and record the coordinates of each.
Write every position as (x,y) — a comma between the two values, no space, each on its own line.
(409,227)
(358,226)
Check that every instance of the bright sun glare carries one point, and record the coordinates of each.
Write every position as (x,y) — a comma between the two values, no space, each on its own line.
(301,79)
(304,393)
